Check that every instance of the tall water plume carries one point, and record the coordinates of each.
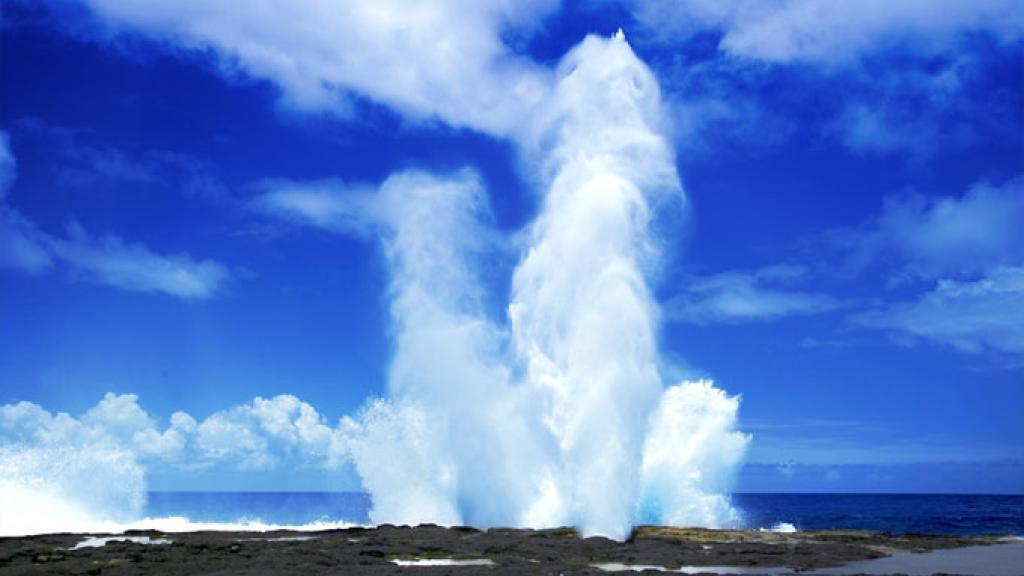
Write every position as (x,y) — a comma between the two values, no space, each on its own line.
(582,315)
(560,419)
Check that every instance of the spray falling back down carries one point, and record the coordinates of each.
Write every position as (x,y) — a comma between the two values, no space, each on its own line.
(586,437)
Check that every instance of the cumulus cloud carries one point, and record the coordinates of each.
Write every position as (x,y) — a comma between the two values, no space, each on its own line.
(260,434)
(830,33)
(735,297)
(264,432)
(444,60)
(971,316)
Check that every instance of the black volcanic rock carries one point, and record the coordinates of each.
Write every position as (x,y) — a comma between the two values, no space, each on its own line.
(512,551)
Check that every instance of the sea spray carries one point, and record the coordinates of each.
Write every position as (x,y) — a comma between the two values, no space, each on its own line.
(451,435)
(67,488)
(581,313)
(572,427)
(690,454)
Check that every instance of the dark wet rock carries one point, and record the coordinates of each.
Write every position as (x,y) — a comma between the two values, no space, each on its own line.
(513,551)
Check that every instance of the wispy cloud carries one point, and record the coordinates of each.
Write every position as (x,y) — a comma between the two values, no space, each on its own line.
(897,81)
(112,261)
(108,260)
(326,204)
(93,168)
(22,245)
(736,297)
(940,236)
(830,33)
(971,316)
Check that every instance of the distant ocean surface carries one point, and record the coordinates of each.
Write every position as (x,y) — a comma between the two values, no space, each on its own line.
(898,513)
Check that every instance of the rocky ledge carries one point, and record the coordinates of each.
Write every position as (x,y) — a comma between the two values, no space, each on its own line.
(429,550)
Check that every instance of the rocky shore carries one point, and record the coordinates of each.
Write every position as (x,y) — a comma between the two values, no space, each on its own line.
(430,550)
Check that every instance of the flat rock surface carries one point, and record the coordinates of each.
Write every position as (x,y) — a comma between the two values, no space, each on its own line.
(374,551)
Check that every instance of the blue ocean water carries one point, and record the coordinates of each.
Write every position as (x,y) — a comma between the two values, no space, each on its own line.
(897,513)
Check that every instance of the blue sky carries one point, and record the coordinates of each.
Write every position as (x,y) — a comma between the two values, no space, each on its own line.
(849,257)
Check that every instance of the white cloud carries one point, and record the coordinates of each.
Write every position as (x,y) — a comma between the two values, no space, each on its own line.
(327,204)
(444,59)
(942,236)
(108,260)
(921,106)
(734,297)
(260,434)
(831,33)
(971,316)
(970,250)
(112,261)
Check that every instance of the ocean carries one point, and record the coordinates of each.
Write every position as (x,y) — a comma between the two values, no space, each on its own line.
(897,513)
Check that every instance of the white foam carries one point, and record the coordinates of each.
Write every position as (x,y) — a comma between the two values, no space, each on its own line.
(427,562)
(781,528)
(68,519)
(177,524)
(618,567)
(100,541)
(281,539)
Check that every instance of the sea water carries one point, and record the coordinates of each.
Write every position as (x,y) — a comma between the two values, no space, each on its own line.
(897,513)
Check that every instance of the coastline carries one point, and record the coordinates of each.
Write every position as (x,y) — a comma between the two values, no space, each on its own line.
(430,549)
